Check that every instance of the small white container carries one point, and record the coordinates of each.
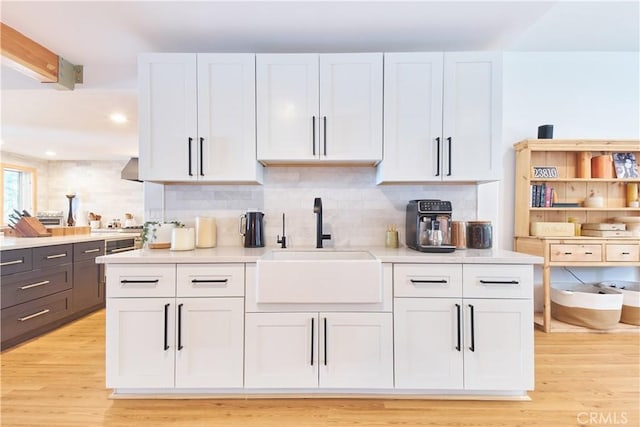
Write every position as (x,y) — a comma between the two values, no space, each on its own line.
(205,232)
(183,239)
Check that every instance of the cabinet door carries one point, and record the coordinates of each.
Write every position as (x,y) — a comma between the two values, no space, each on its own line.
(209,342)
(281,350)
(140,342)
(167,114)
(227,118)
(87,285)
(472,116)
(498,344)
(412,117)
(356,350)
(287,106)
(351,106)
(428,343)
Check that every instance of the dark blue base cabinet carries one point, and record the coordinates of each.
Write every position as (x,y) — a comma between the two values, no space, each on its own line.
(45,287)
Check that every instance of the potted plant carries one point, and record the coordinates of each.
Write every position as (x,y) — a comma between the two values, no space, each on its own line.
(157,234)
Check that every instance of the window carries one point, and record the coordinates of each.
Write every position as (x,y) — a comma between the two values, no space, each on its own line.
(18,190)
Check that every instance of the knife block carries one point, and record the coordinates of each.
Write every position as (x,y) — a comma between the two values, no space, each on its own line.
(30,227)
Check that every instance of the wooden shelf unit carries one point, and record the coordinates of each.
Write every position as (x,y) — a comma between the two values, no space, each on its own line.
(569,188)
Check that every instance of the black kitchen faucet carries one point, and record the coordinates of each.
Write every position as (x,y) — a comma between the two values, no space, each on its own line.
(317,209)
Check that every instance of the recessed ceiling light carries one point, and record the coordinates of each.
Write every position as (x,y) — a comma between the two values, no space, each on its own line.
(50,153)
(118,118)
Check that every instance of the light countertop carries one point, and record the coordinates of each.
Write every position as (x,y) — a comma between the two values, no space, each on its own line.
(250,255)
(8,243)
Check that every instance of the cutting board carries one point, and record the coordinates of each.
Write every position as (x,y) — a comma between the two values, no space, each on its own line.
(64,230)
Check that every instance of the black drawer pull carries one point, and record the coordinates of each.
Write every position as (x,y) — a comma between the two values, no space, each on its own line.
(473,329)
(35,285)
(626,253)
(459,327)
(568,253)
(499,282)
(428,281)
(17,261)
(90,251)
(166,327)
(34,315)
(56,256)
(209,280)
(588,253)
(125,282)
(180,346)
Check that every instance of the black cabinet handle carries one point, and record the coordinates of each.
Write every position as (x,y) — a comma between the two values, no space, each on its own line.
(179,326)
(201,156)
(625,253)
(313,323)
(428,281)
(588,253)
(568,253)
(325,341)
(166,327)
(499,282)
(473,333)
(313,132)
(438,156)
(209,280)
(325,135)
(125,281)
(459,327)
(450,159)
(190,141)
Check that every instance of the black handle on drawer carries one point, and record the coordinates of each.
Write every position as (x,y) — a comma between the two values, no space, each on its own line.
(209,280)
(325,341)
(626,253)
(459,326)
(201,156)
(428,281)
(125,281)
(180,326)
(450,159)
(473,333)
(438,156)
(499,282)
(588,253)
(190,166)
(313,323)
(313,131)
(568,253)
(166,327)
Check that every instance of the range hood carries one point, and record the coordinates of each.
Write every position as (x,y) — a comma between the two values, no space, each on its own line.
(130,171)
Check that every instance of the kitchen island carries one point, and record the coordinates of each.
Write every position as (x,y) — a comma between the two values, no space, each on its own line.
(192,323)
(50,281)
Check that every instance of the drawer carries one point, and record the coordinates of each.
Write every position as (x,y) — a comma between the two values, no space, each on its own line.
(16,261)
(87,250)
(23,287)
(210,280)
(618,252)
(140,280)
(576,253)
(26,317)
(427,280)
(497,281)
(50,256)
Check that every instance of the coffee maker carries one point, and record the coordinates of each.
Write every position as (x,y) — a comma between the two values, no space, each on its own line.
(252,229)
(428,226)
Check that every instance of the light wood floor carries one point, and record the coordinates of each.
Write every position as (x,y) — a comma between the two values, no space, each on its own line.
(58,380)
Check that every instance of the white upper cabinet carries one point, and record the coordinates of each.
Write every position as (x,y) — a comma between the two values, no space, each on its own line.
(325,107)
(442,115)
(197,118)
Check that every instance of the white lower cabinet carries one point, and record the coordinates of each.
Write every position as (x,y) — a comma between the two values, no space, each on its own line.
(325,350)
(449,342)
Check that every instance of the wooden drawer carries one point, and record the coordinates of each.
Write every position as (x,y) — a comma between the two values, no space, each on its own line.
(50,256)
(497,281)
(141,280)
(618,252)
(23,318)
(210,280)
(576,253)
(87,250)
(15,261)
(23,287)
(427,280)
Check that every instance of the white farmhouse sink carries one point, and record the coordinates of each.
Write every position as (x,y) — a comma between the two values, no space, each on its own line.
(318,277)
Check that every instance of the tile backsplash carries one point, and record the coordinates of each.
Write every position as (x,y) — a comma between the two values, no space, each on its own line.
(356,211)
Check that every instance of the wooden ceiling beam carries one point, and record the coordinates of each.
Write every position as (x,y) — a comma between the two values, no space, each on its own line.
(28,56)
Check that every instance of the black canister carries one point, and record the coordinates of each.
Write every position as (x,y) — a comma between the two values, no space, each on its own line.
(479,234)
